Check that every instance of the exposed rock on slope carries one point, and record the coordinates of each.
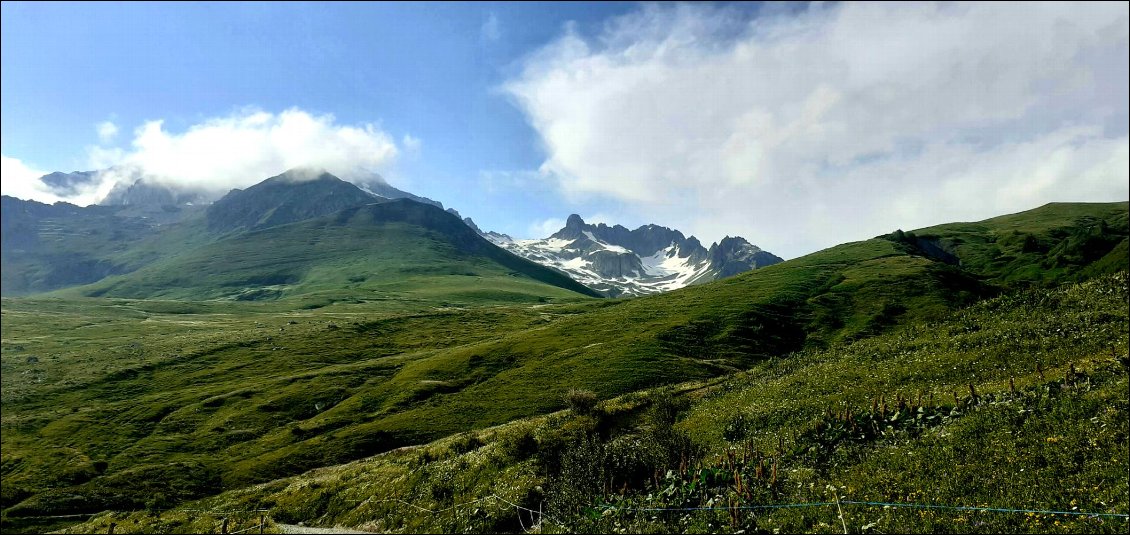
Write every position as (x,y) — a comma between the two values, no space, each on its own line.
(650,259)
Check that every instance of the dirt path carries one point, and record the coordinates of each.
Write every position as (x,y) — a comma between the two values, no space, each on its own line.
(291,528)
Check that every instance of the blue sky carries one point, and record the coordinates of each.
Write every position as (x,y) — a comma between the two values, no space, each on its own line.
(425,70)
(795,126)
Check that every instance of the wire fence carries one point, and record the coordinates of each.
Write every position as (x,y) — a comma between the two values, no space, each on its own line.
(873,504)
(538,516)
(223,522)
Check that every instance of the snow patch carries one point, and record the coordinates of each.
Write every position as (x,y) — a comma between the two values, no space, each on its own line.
(663,271)
(605,245)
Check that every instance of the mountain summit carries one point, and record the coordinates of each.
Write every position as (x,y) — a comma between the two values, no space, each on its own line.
(301,232)
(649,259)
(295,195)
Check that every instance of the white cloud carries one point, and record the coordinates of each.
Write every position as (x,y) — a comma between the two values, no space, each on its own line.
(244,148)
(836,123)
(221,153)
(21,180)
(107,131)
(17,179)
(544,228)
(601,217)
(491,29)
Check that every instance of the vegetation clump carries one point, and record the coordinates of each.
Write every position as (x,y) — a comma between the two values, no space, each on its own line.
(581,401)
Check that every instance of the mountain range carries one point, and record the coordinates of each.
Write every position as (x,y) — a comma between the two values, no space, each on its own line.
(230,363)
(143,221)
(208,356)
(299,233)
(650,259)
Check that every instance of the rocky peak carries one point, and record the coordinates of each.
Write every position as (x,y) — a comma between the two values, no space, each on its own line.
(68,183)
(649,259)
(292,196)
(304,174)
(471,223)
(735,255)
(145,192)
(376,184)
(730,246)
(574,228)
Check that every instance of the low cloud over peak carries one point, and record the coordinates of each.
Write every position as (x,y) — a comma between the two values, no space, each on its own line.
(222,153)
(802,129)
(242,149)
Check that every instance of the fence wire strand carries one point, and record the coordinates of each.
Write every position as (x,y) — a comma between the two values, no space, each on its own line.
(873,504)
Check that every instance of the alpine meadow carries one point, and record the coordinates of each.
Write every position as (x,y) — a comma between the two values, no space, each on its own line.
(908,312)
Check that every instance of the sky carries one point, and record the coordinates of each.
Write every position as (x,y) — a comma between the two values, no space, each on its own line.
(797,126)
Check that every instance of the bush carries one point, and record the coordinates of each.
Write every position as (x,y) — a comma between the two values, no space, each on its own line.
(665,408)
(581,401)
(466,443)
(580,477)
(519,446)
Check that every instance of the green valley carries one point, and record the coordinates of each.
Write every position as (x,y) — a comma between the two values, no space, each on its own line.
(564,267)
(393,338)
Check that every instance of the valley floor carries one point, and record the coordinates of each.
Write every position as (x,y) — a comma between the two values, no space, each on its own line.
(1018,402)
(977,366)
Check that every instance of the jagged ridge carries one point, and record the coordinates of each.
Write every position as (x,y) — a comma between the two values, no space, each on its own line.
(649,259)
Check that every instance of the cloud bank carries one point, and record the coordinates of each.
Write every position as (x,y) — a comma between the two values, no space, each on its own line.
(17,179)
(221,153)
(804,129)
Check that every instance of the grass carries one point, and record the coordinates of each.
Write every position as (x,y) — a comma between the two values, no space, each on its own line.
(1041,246)
(1046,430)
(382,251)
(50,247)
(197,397)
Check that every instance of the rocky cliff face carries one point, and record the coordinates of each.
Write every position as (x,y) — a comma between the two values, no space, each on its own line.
(148,193)
(617,261)
(65,184)
(736,255)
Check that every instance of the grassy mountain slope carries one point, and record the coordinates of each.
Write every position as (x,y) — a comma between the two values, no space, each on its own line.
(232,397)
(1047,245)
(229,253)
(380,251)
(46,247)
(293,196)
(891,418)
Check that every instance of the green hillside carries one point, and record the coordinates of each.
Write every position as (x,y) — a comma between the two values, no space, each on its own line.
(391,250)
(230,393)
(293,196)
(1053,243)
(1017,402)
(47,247)
(234,249)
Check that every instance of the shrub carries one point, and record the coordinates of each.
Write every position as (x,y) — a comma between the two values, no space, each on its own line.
(581,476)
(466,443)
(665,408)
(520,446)
(581,401)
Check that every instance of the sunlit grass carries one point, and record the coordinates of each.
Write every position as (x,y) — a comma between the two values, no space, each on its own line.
(195,397)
